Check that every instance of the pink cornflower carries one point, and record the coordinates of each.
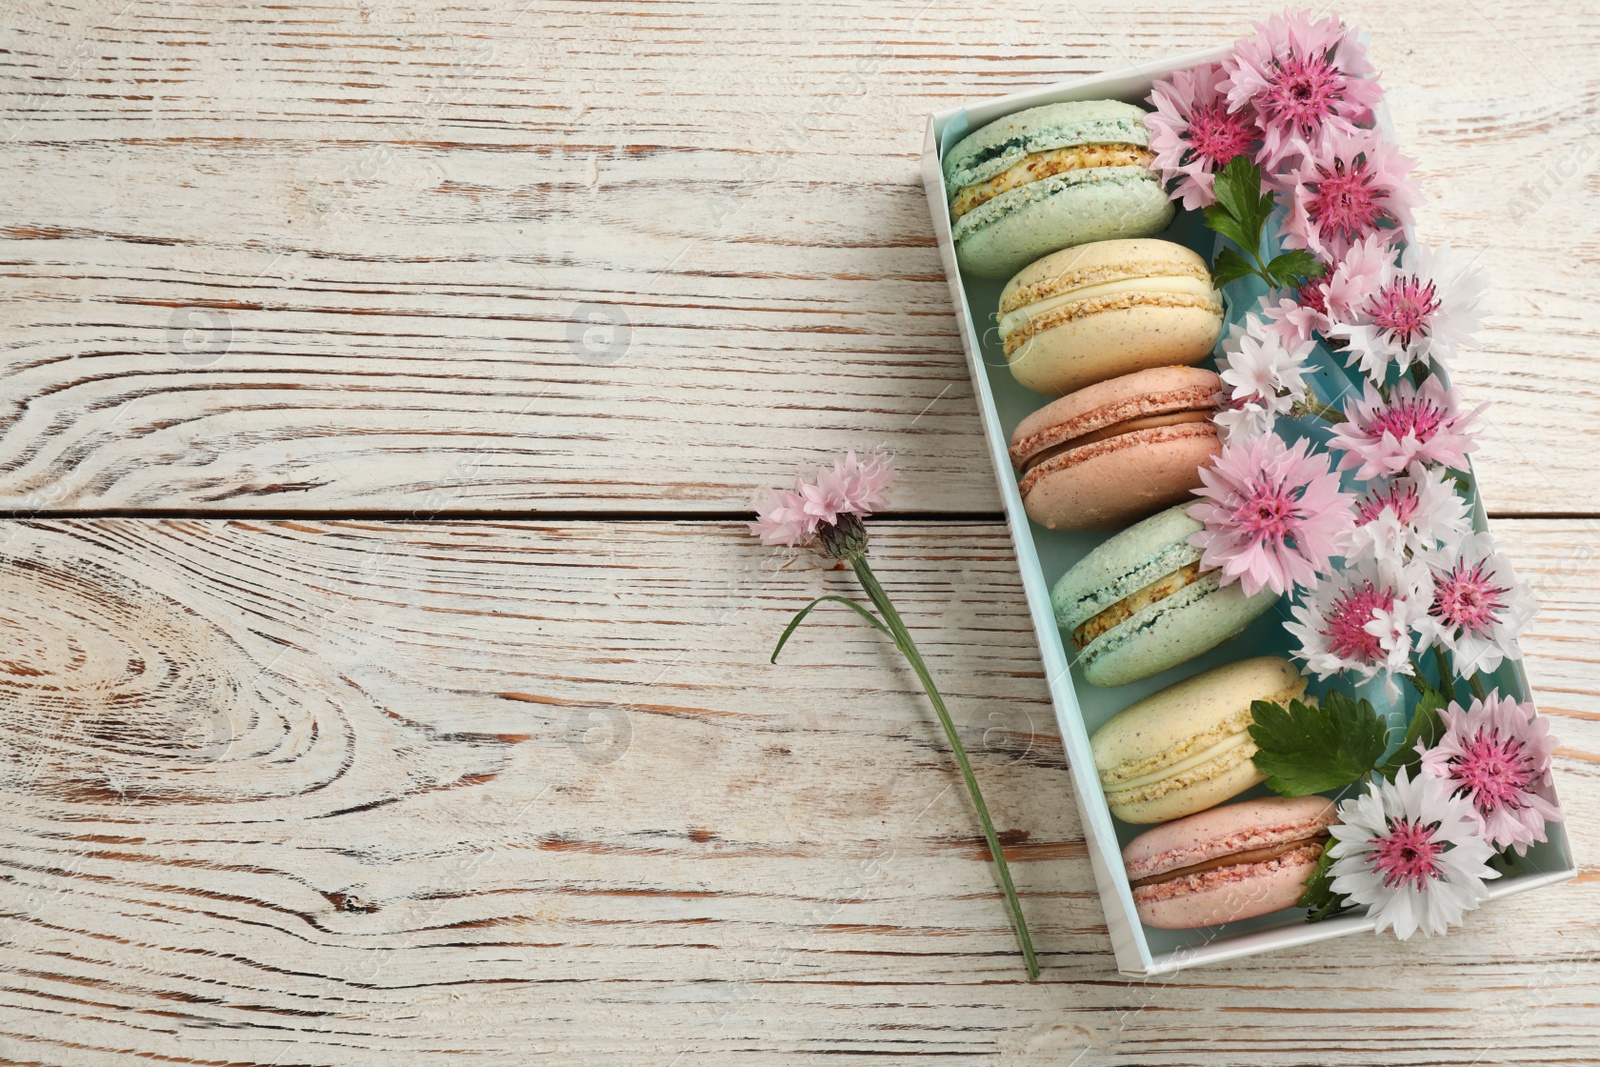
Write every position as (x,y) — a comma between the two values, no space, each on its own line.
(1411,853)
(1425,308)
(1299,318)
(1272,514)
(1302,80)
(1477,607)
(1193,134)
(1496,754)
(831,509)
(851,490)
(1416,424)
(1359,621)
(1334,297)
(1352,187)
(1411,516)
(1262,379)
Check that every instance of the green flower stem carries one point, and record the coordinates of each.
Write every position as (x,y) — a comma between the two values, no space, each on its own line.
(1447,684)
(908,648)
(1418,683)
(1310,405)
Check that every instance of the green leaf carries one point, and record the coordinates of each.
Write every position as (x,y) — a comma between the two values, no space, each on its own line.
(1319,898)
(1229,266)
(1264,203)
(1306,748)
(1289,269)
(1242,207)
(800,616)
(1236,186)
(1228,187)
(1231,228)
(1425,726)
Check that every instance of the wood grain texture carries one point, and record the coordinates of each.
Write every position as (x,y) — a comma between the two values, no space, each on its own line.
(424,258)
(436,793)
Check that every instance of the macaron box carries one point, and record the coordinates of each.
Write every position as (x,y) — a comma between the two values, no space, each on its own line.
(1011,326)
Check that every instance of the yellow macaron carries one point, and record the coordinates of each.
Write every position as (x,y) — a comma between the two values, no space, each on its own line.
(1096,311)
(1187,747)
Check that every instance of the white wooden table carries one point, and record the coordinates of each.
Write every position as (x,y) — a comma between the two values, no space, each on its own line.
(383,661)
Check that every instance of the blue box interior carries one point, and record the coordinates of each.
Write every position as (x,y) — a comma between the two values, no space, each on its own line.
(1058,551)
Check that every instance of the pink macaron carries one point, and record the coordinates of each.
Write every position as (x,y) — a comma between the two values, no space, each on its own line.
(1118,450)
(1232,862)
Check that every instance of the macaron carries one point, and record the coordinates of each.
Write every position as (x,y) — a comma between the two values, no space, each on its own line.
(1139,603)
(1049,177)
(1089,313)
(1233,862)
(1187,747)
(1118,450)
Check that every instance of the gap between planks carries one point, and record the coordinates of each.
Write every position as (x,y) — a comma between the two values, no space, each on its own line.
(965,518)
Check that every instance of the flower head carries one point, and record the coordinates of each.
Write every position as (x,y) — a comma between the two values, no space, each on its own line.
(1411,852)
(1299,318)
(1425,308)
(1193,134)
(1477,607)
(1272,514)
(852,488)
(1333,297)
(1496,754)
(1264,377)
(1416,424)
(1359,621)
(1413,515)
(1353,187)
(1302,80)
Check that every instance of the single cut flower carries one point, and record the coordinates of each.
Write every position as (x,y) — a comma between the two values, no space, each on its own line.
(1303,80)
(851,487)
(1264,378)
(1272,514)
(831,509)
(1334,296)
(1359,621)
(1496,754)
(1353,187)
(1412,516)
(1416,424)
(1477,607)
(1193,134)
(1425,308)
(1411,853)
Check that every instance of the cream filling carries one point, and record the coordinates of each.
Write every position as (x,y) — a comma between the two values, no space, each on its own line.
(1047,163)
(1187,285)
(1205,755)
(1247,858)
(1135,602)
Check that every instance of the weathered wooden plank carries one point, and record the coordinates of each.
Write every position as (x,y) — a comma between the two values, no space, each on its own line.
(354,792)
(632,256)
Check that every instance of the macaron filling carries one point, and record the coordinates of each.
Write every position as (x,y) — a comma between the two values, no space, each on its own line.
(1135,602)
(1055,305)
(1061,456)
(1040,189)
(1040,165)
(1302,850)
(1164,774)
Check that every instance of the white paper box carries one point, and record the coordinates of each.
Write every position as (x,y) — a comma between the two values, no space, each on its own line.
(1044,555)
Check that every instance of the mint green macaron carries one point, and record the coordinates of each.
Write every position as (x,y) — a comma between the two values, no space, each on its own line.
(1039,180)
(1139,603)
